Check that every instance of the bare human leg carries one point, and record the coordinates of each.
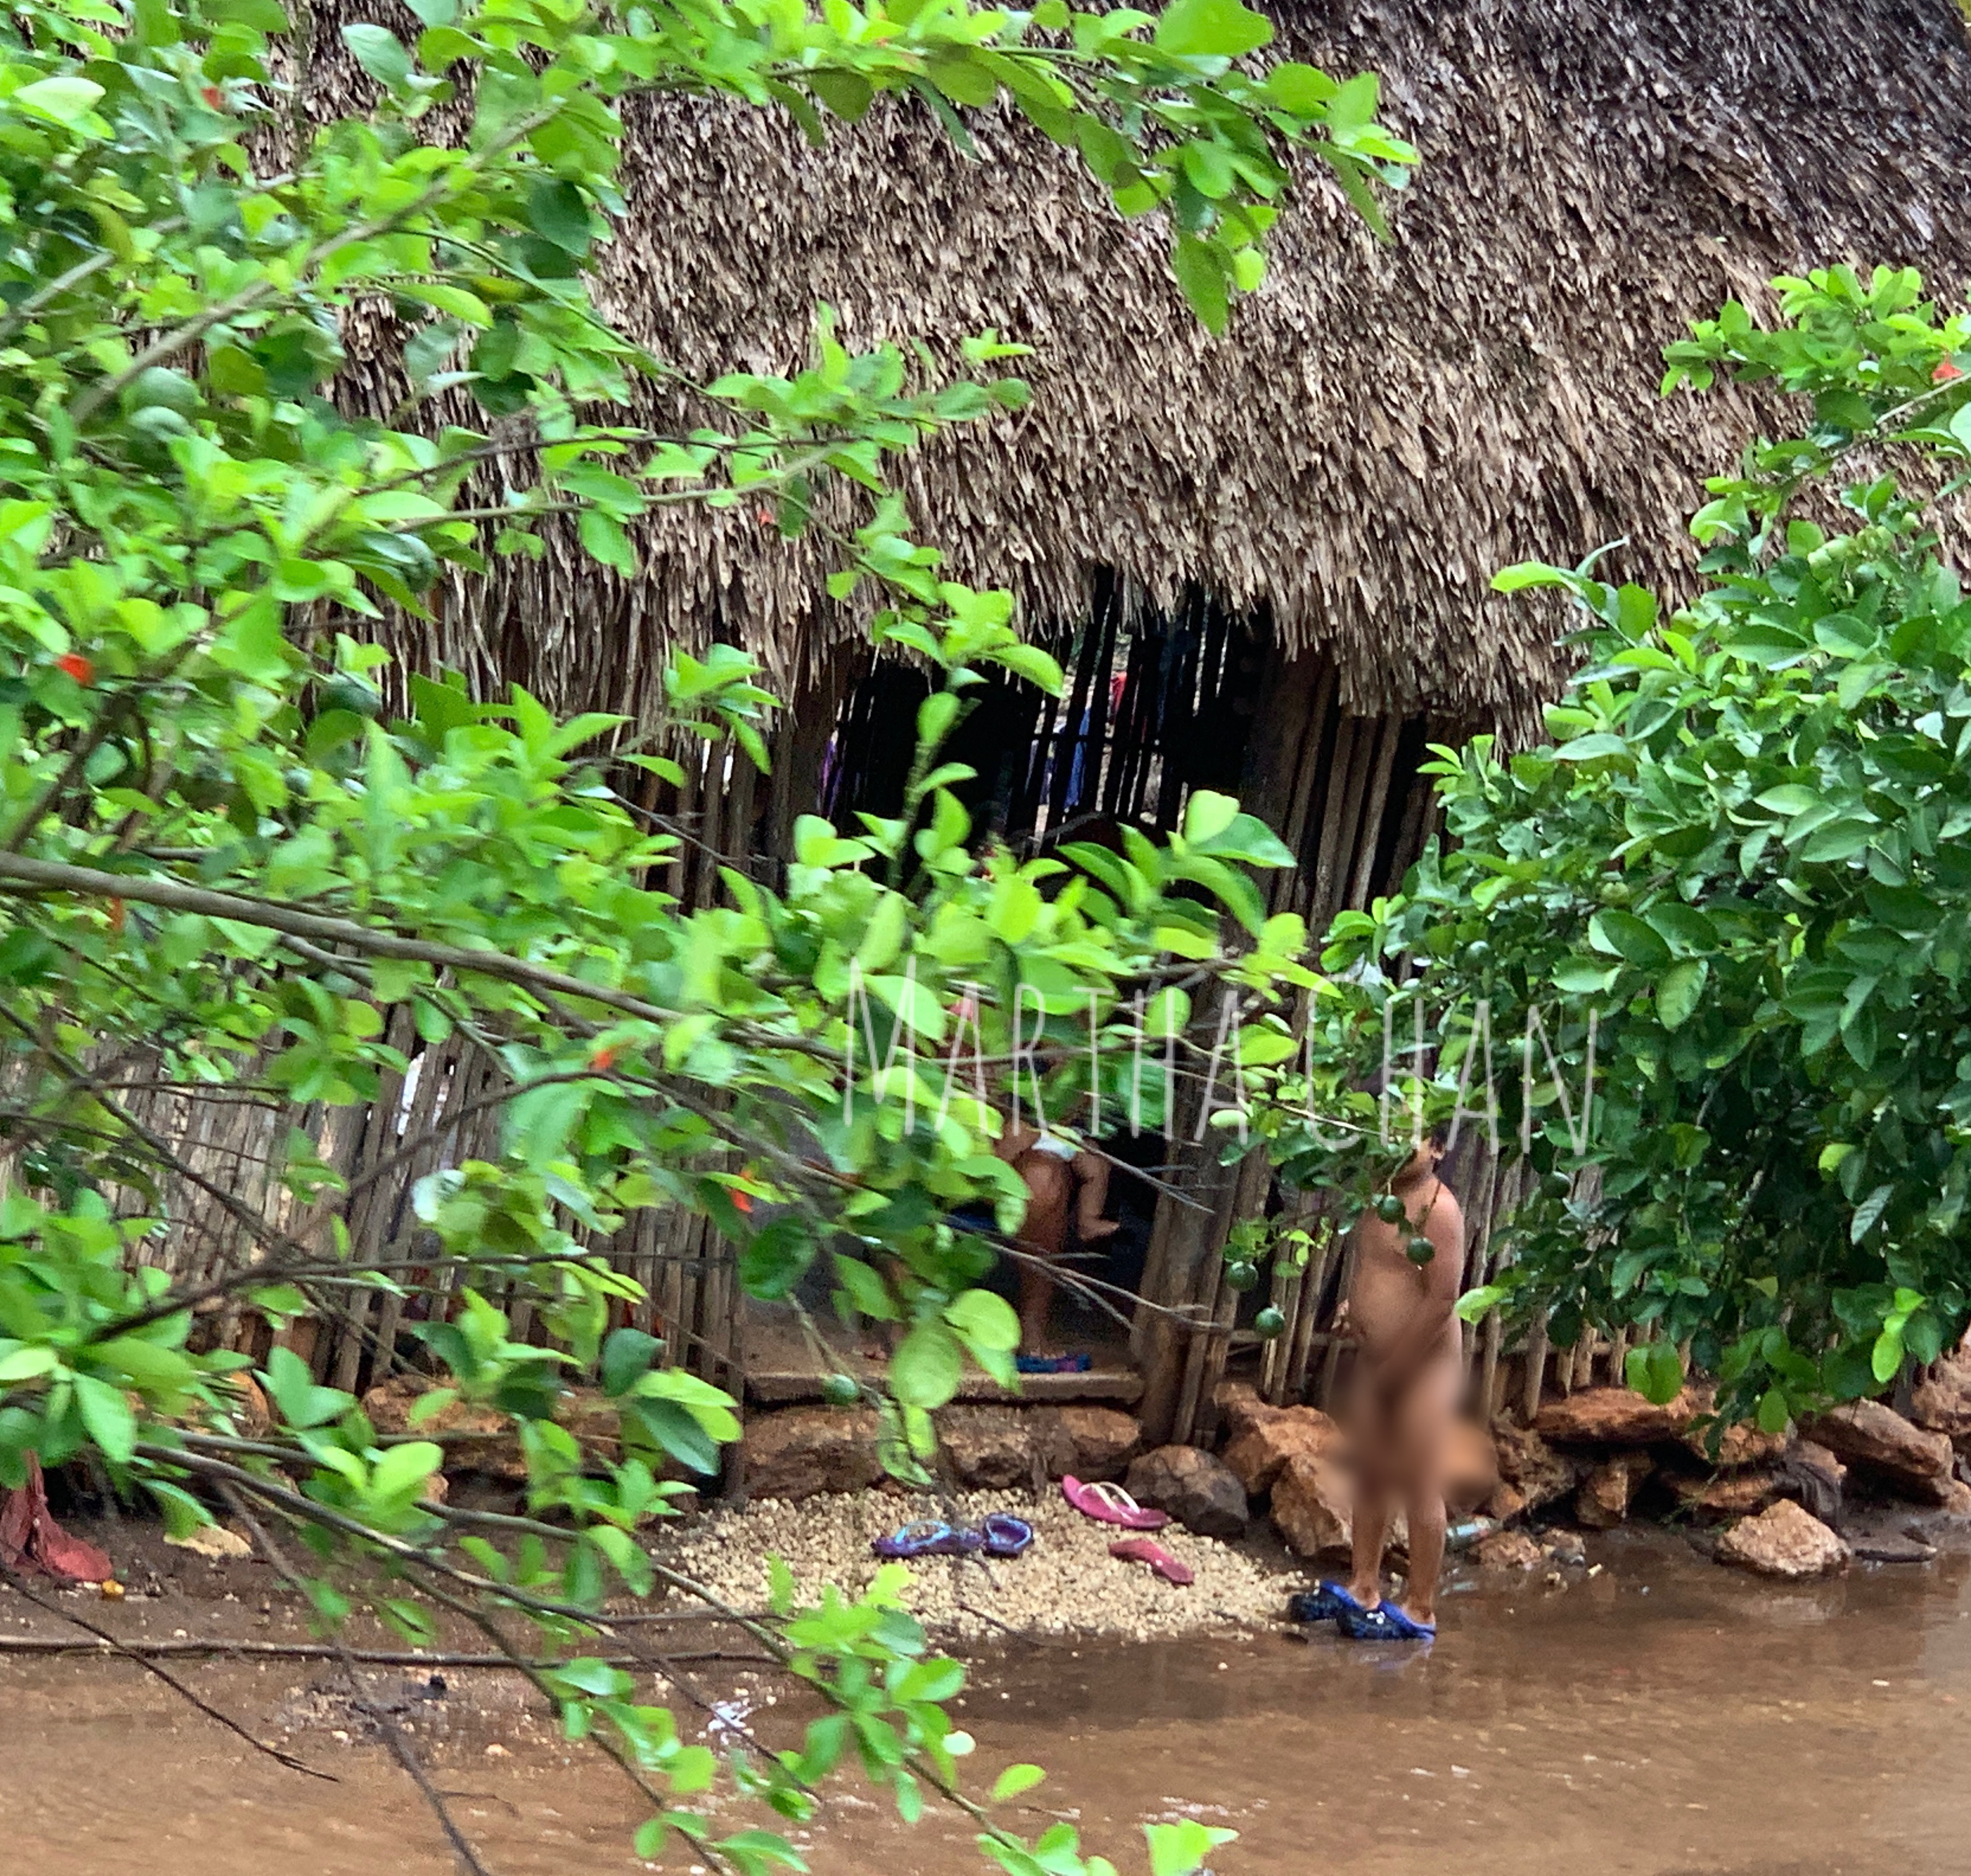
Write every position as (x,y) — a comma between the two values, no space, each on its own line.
(1045,1230)
(1371,1431)
(1091,1174)
(1423,1419)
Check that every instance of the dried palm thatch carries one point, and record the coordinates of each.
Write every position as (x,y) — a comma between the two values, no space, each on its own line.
(1380,429)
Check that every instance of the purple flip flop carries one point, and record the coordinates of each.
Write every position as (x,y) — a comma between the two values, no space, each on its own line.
(928,1537)
(1005,1535)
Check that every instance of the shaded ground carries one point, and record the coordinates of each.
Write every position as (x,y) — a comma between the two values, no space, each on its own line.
(1665,1718)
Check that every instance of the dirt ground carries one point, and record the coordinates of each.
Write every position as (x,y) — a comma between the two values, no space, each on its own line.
(1665,1717)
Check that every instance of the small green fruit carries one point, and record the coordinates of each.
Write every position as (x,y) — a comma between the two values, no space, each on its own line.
(1269,1322)
(1419,1250)
(1477,954)
(840,1390)
(1241,1276)
(1556,1185)
(1390,1209)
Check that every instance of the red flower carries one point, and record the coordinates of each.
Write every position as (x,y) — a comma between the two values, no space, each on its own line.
(1946,370)
(604,1059)
(213,97)
(742,1201)
(81,668)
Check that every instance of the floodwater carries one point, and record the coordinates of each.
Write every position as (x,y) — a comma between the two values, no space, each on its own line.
(1664,1717)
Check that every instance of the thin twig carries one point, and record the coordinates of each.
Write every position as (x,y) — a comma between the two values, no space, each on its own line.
(321,1651)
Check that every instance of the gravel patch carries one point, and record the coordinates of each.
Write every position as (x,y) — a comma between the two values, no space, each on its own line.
(1065,1584)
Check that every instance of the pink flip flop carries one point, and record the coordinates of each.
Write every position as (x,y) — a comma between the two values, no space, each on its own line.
(1141,1550)
(1109,1504)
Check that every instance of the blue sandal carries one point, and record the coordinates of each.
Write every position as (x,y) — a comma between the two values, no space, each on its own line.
(1385,1622)
(1328,1603)
(1054,1364)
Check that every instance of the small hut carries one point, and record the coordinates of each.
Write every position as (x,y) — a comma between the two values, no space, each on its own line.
(1264,558)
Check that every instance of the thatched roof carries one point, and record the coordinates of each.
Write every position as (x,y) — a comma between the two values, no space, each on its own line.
(1380,428)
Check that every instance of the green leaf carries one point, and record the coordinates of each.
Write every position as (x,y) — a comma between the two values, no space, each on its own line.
(1221,29)
(1656,1371)
(1839,840)
(558,212)
(64,97)
(1579,978)
(1623,935)
(1868,1213)
(1180,1849)
(1680,990)
(626,1357)
(1014,1779)
(1885,1359)
(1201,274)
(107,1415)
(847,94)
(380,53)
(984,1320)
(926,1368)
(866,1288)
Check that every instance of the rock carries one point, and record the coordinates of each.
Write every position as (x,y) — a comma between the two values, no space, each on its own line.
(1507,1502)
(1740,1445)
(1890,1547)
(1568,1547)
(997,1446)
(1726,1494)
(1509,1550)
(437,1489)
(1259,1452)
(1602,1500)
(1810,1456)
(801,1450)
(213,1540)
(1880,1443)
(1942,1401)
(1954,1497)
(476,1439)
(1197,1490)
(1617,1416)
(1313,1506)
(1471,1469)
(596,1422)
(1526,1461)
(1101,1440)
(1783,1541)
(1240,1407)
(256,1421)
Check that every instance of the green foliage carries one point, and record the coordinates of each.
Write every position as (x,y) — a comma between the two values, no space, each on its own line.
(235,844)
(1742,858)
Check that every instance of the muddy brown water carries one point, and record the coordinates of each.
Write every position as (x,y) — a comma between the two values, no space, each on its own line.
(1665,1717)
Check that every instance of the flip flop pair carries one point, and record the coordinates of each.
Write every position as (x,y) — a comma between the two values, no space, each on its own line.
(1330,1602)
(1109,1504)
(999,1535)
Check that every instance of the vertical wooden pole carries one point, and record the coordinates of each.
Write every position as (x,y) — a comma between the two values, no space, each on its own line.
(1536,1377)
(1369,836)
